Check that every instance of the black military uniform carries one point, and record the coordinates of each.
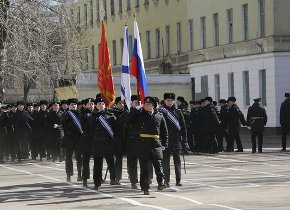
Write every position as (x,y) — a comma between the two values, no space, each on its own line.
(86,140)
(285,119)
(23,130)
(177,135)
(54,124)
(2,135)
(41,130)
(120,141)
(102,127)
(72,132)
(222,132)
(209,124)
(257,119)
(152,137)
(10,140)
(235,117)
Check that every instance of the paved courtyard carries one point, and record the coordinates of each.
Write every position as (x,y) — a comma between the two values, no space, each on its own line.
(223,181)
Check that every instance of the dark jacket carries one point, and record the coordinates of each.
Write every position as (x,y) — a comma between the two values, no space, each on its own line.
(208,119)
(177,138)
(257,117)
(102,142)
(285,114)
(52,119)
(234,118)
(153,124)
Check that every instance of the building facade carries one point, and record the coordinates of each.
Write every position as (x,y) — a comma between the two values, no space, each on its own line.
(228,48)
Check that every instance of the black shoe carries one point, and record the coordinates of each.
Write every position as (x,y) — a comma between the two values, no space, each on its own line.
(33,158)
(283,150)
(178,184)
(167,185)
(161,187)
(253,151)
(79,178)
(96,187)
(228,150)
(68,179)
(134,186)
(146,192)
(114,182)
(19,160)
(85,183)
(239,150)
(40,159)
(2,161)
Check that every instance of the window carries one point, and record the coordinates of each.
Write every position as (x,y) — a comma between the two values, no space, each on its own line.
(87,58)
(167,39)
(130,45)
(80,59)
(128,4)
(203,32)
(217,87)
(179,41)
(105,9)
(262,86)
(112,7)
(98,10)
(262,18)
(246,88)
(79,16)
(157,34)
(245,22)
(148,44)
(121,47)
(93,58)
(231,84)
(146,2)
(91,13)
(72,15)
(86,14)
(204,86)
(120,6)
(114,53)
(216,29)
(137,4)
(190,35)
(230,25)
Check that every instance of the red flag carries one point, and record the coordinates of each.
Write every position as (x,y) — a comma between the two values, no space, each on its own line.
(105,77)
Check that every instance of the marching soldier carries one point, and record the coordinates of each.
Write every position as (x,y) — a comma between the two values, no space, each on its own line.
(209,124)
(177,136)
(223,133)
(102,127)
(234,117)
(86,138)
(23,130)
(285,120)
(72,132)
(119,111)
(35,132)
(54,124)
(152,137)
(257,119)
(2,135)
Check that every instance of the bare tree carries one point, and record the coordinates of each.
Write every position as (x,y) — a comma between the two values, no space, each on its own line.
(41,45)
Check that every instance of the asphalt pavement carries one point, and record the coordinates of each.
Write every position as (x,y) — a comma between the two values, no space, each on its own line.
(212,181)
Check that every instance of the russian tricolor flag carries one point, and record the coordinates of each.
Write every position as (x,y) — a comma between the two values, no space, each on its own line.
(137,65)
(125,76)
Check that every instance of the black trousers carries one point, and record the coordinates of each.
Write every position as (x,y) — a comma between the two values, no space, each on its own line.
(132,169)
(166,164)
(221,135)
(86,165)
(144,173)
(118,166)
(254,135)
(72,145)
(98,168)
(284,135)
(235,135)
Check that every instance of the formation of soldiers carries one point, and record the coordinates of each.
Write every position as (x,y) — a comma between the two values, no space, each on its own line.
(149,133)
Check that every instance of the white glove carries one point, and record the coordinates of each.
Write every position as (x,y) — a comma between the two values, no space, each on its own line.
(139,106)
(55,125)
(249,127)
